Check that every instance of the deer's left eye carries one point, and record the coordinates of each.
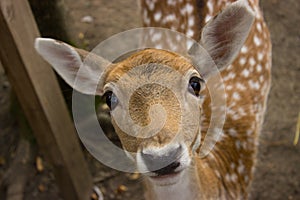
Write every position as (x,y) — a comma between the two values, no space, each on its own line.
(195,85)
(111,99)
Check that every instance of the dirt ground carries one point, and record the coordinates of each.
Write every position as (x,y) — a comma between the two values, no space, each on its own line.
(277,175)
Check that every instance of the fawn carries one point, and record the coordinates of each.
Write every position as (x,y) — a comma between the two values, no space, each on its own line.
(237,40)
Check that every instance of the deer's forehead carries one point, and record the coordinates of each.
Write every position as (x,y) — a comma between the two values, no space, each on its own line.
(155,61)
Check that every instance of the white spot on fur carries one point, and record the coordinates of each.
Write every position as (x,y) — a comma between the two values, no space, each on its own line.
(241,168)
(244,144)
(261,78)
(236,96)
(189,8)
(233,103)
(210,7)
(232,132)
(170,18)
(260,56)
(217,173)
(190,33)
(240,86)
(258,27)
(252,169)
(242,61)
(157,16)
(232,165)
(182,26)
(268,65)
(233,177)
(252,61)
(171,3)
(230,75)
(207,18)
(245,73)
(257,41)
(227,177)
(236,117)
(151,4)
(244,49)
(249,132)
(191,21)
(229,87)
(242,111)
(254,84)
(258,68)
(246,178)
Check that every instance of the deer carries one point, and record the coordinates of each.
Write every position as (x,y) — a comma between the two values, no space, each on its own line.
(174,166)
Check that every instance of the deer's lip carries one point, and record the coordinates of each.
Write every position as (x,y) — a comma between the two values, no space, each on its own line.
(165,175)
(167,179)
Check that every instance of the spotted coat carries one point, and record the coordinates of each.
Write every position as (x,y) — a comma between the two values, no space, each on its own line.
(247,83)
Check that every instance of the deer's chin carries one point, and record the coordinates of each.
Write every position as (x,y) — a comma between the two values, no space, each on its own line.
(166,180)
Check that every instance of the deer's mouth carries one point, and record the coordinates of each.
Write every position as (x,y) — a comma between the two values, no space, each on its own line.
(166,179)
(168,175)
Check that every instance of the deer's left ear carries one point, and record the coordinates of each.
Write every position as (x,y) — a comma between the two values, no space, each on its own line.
(223,36)
(80,69)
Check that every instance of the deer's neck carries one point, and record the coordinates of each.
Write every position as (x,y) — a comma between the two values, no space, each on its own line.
(185,16)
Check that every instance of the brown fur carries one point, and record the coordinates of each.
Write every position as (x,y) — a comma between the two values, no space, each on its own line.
(227,171)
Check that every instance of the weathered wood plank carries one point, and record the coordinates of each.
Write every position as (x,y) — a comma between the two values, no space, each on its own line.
(1,68)
(37,89)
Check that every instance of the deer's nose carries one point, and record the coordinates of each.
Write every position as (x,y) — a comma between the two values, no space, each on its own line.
(162,164)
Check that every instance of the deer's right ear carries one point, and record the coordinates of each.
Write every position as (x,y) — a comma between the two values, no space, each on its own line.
(68,61)
(223,37)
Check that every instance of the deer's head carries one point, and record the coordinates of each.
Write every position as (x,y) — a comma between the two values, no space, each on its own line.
(155,96)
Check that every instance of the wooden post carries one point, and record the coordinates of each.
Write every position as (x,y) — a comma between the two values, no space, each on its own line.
(38,92)
(1,68)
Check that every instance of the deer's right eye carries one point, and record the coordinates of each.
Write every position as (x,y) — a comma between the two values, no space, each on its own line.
(195,85)
(111,100)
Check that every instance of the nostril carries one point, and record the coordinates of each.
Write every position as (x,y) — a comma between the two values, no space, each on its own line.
(168,169)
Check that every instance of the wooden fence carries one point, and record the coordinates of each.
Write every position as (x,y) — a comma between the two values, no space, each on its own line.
(37,89)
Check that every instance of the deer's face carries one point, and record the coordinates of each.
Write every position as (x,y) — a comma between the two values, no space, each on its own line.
(155,95)
(155,102)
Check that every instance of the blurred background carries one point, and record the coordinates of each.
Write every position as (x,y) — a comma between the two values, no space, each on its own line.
(85,23)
